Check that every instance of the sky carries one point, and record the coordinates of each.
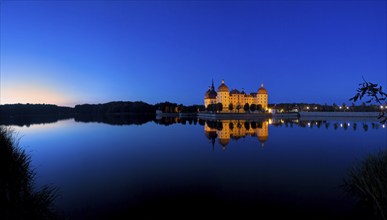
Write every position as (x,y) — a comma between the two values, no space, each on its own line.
(75,52)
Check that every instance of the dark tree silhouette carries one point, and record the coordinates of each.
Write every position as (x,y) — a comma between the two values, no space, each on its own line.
(253,107)
(34,109)
(246,107)
(374,92)
(211,107)
(238,107)
(219,107)
(230,107)
(259,107)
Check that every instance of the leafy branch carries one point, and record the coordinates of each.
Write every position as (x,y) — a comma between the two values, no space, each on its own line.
(373,92)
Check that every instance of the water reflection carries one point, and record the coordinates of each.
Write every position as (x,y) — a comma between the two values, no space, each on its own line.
(114,119)
(345,125)
(128,172)
(86,118)
(224,130)
(29,120)
(243,128)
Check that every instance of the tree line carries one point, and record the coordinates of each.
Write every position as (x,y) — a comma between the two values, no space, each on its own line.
(34,109)
(110,108)
(119,107)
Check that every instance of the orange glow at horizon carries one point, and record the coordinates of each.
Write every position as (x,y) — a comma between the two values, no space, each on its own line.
(34,94)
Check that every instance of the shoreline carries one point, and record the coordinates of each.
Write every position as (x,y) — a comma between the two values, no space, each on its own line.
(292,115)
(339,114)
(226,116)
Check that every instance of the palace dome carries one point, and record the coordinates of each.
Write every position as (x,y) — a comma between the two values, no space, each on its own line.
(262,90)
(234,91)
(223,87)
(211,94)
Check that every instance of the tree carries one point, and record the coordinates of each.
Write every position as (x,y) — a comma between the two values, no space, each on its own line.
(211,107)
(259,107)
(179,108)
(253,107)
(334,107)
(219,107)
(201,108)
(246,107)
(375,93)
(230,107)
(238,107)
(344,107)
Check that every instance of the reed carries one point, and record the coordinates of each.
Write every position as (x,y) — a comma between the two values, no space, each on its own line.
(19,198)
(367,181)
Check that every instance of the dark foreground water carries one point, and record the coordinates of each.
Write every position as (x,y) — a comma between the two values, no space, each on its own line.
(190,169)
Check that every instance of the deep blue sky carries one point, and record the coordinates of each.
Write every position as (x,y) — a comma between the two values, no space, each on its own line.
(69,52)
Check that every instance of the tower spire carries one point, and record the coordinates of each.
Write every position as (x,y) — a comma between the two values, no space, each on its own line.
(212,84)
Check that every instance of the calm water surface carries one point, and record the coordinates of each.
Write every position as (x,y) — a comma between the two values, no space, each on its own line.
(223,168)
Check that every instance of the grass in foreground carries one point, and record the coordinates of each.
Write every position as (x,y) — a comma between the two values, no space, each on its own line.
(18,197)
(367,181)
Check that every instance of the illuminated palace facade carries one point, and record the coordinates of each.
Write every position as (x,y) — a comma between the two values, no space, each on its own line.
(237,98)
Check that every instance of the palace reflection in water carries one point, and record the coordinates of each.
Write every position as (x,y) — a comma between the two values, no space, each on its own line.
(222,132)
(225,130)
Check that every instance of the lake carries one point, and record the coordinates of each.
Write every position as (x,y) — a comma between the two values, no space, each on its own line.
(190,168)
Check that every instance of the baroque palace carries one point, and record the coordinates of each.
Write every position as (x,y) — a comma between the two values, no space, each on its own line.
(235,99)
